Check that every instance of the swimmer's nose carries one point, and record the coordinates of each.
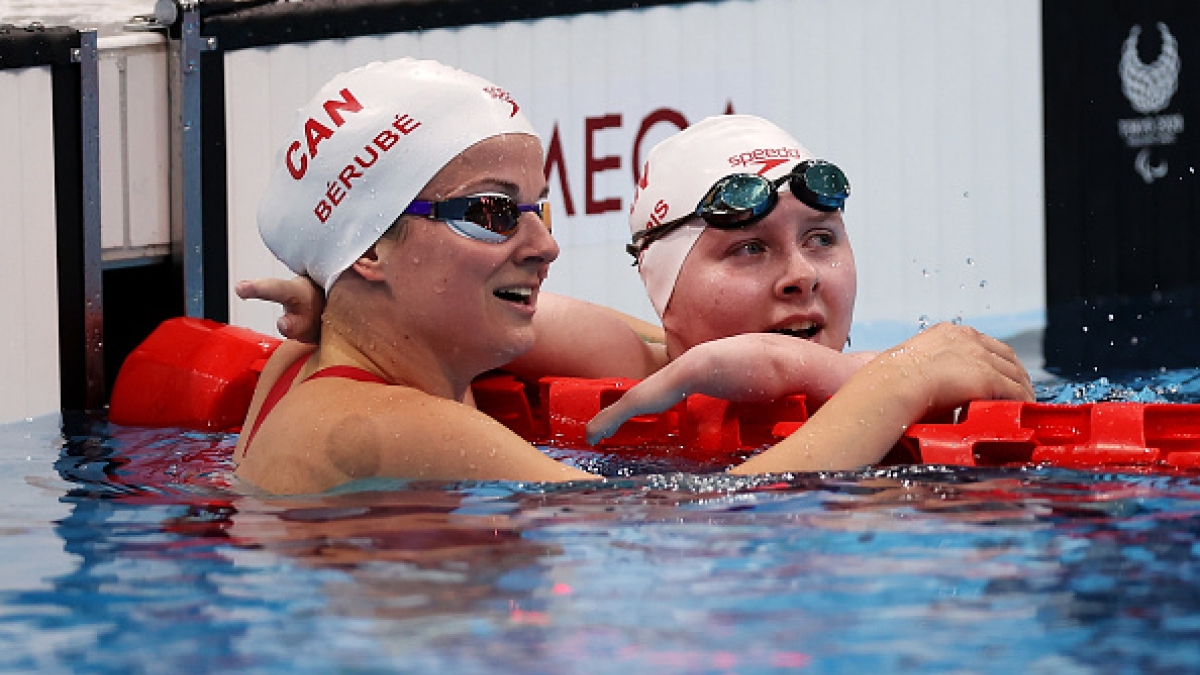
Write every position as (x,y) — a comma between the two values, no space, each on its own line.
(799,278)
(536,242)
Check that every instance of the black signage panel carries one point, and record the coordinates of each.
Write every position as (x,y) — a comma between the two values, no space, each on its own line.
(1122,148)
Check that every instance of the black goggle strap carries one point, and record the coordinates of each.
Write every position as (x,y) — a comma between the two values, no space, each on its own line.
(815,182)
(642,239)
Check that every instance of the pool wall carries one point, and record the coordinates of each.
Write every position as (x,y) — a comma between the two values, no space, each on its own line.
(946,216)
(49,198)
(953,119)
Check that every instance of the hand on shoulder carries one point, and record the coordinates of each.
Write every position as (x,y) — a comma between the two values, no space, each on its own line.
(302,301)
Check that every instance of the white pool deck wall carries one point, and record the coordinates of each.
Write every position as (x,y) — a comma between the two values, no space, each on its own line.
(932,107)
(134,200)
(29,360)
(135,148)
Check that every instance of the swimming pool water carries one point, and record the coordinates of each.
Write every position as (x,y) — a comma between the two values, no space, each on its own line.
(130,551)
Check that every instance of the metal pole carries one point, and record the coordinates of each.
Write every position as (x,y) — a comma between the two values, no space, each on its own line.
(93,289)
(191,45)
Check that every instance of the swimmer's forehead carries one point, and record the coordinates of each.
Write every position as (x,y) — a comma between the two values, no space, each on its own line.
(486,168)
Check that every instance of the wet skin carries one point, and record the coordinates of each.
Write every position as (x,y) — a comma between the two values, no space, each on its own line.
(792,273)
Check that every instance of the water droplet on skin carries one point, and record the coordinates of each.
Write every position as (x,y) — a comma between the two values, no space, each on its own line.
(970,261)
(922,322)
(1110,318)
(966,195)
(924,272)
(1085,329)
(983,283)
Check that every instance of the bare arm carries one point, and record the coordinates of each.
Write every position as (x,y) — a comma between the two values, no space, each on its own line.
(580,339)
(940,369)
(753,367)
(574,338)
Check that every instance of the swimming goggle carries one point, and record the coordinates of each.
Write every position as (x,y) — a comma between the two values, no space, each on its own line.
(488,217)
(742,199)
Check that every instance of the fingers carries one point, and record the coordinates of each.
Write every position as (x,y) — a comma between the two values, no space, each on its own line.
(1001,373)
(1005,361)
(605,423)
(302,303)
(270,290)
(644,398)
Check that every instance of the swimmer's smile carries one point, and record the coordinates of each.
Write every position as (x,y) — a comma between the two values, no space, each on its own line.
(806,330)
(520,295)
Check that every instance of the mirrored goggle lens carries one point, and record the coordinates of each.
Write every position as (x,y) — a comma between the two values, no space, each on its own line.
(824,185)
(492,212)
(737,200)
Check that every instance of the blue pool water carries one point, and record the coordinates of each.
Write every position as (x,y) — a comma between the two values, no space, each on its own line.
(130,551)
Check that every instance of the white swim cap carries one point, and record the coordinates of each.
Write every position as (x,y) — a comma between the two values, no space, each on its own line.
(681,170)
(363,148)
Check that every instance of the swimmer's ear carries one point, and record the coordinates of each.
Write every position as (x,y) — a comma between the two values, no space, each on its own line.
(369,266)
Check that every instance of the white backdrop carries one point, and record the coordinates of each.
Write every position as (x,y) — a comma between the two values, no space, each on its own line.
(933,108)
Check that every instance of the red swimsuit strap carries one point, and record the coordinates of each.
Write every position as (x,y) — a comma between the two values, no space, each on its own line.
(278,389)
(347,372)
(284,384)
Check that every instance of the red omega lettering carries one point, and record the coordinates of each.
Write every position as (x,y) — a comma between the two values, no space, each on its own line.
(661,115)
(556,160)
(594,165)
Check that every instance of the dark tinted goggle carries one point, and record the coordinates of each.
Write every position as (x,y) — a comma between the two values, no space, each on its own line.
(742,199)
(489,217)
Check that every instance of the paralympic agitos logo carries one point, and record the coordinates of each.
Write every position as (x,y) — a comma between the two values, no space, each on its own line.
(1149,88)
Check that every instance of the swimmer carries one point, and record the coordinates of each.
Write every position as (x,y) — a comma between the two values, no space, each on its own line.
(432,268)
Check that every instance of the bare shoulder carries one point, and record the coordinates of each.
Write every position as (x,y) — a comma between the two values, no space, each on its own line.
(285,355)
(331,431)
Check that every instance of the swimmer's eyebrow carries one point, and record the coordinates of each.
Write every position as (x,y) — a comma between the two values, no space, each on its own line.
(505,187)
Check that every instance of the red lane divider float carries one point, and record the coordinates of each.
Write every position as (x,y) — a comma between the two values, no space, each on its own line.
(1115,435)
(200,374)
(191,373)
(557,412)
